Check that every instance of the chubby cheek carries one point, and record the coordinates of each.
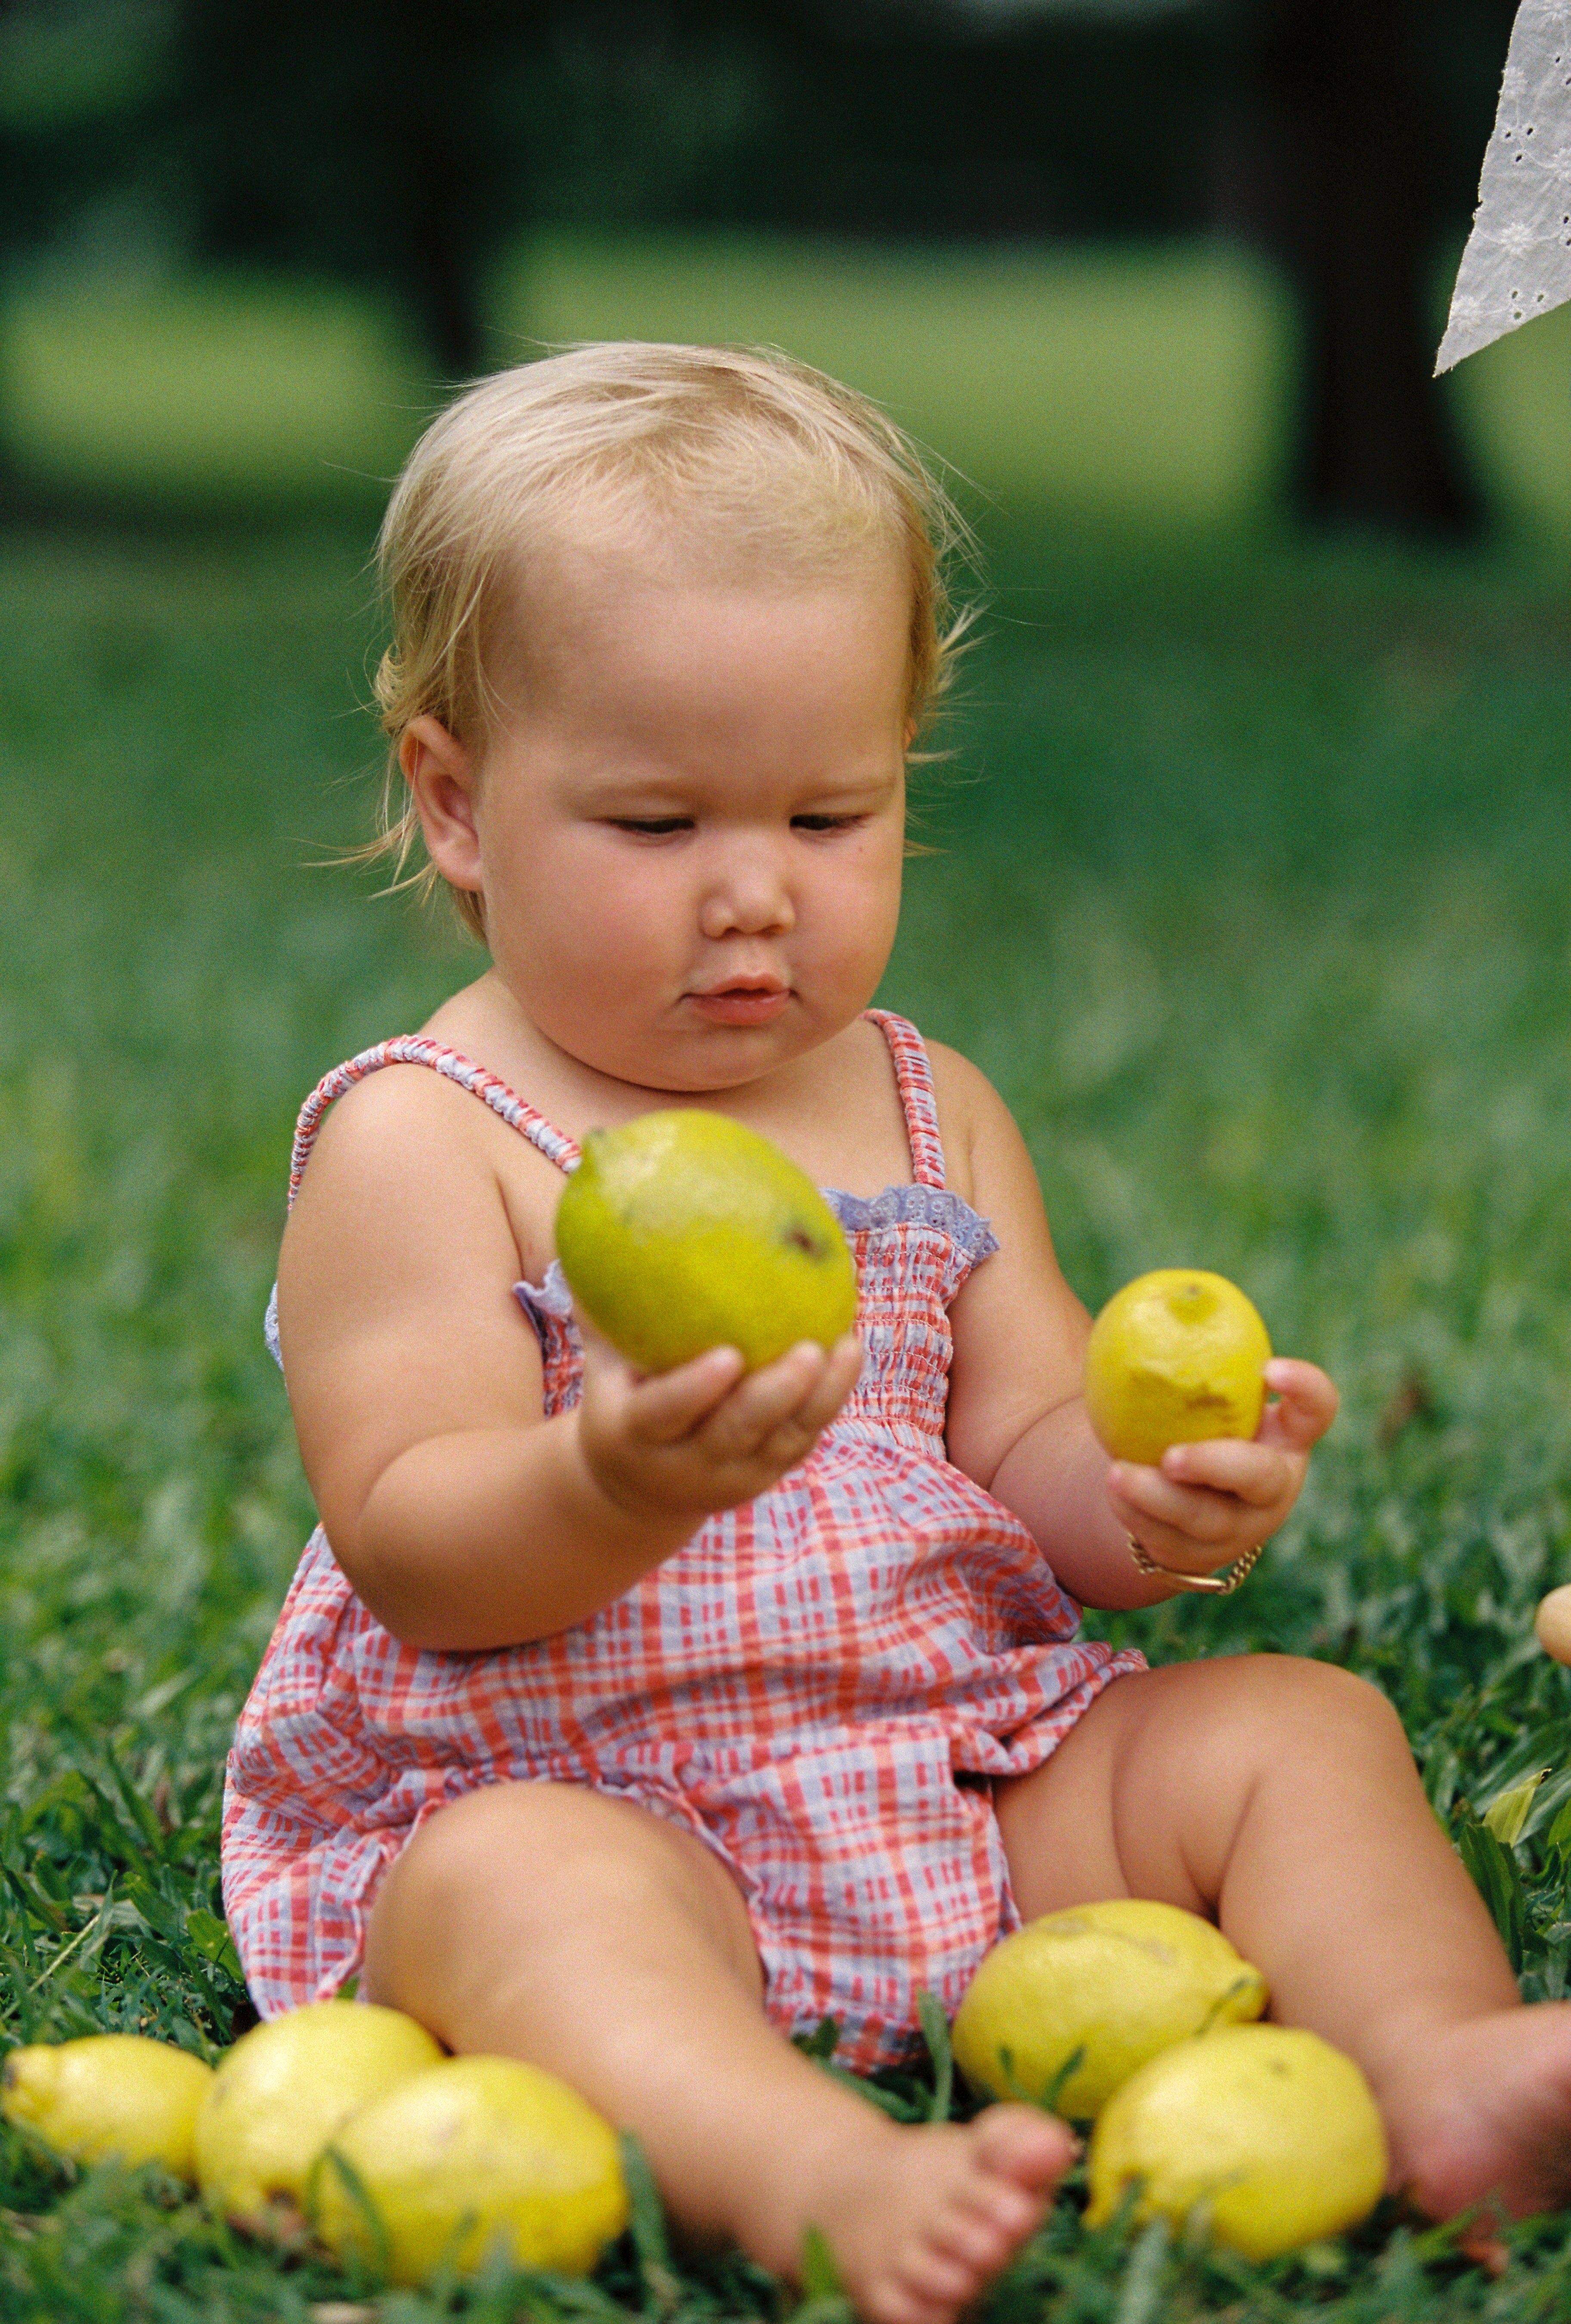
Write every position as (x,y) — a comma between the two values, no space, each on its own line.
(593,937)
(857,907)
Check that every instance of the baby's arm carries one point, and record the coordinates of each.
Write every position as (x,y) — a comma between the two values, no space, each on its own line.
(1016,1422)
(463,1518)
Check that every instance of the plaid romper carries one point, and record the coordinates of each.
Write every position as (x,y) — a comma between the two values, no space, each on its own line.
(821,1686)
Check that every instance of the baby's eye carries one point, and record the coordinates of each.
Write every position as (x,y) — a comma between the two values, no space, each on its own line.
(823,822)
(653,827)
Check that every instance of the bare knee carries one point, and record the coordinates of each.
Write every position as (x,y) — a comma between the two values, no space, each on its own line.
(514,1876)
(542,1842)
(1300,1702)
(1148,1793)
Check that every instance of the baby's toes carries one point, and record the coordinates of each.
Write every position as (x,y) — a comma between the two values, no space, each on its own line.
(1022,2149)
(976,2240)
(916,2293)
(938,2280)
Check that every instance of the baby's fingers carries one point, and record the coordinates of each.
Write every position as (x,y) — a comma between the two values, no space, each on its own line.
(1306,1405)
(1260,1474)
(839,1377)
(1200,1517)
(777,1398)
(670,1405)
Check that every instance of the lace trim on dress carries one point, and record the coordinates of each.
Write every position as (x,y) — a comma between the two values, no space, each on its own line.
(551,1297)
(915,1206)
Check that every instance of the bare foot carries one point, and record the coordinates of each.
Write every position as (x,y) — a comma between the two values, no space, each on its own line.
(1485,2114)
(920,2220)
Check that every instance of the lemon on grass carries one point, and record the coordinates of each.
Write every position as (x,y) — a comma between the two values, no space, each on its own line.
(1270,2129)
(283,2090)
(109,2096)
(473,2156)
(684,1230)
(1176,1356)
(1552,1623)
(1117,1981)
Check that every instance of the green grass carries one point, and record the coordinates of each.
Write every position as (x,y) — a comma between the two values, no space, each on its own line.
(1138,386)
(1249,894)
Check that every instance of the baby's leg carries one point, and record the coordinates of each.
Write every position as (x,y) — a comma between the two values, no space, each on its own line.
(1280,1798)
(591,1937)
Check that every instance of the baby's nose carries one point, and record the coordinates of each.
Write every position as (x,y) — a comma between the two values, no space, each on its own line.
(751,898)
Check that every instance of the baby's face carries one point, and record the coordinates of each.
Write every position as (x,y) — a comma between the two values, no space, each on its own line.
(691,825)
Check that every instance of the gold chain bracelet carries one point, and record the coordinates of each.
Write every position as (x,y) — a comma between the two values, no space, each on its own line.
(1210,1585)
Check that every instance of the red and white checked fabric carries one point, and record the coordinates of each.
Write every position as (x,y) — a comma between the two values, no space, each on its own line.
(821,1686)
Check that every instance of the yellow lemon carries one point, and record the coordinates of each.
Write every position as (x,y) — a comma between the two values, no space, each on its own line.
(473,2156)
(1119,1981)
(1268,2127)
(281,2092)
(1552,1623)
(1175,1356)
(109,2095)
(684,1230)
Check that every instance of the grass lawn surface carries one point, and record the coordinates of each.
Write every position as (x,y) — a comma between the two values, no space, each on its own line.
(1248,891)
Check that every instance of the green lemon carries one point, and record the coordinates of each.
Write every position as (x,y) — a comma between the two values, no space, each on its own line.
(1267,2128)
(283,2090)
(109,2095)
(1175,1356)
(474,2155)
(1117,1981)
(684,1230)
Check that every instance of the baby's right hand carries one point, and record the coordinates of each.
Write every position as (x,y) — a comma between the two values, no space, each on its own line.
(682,1444)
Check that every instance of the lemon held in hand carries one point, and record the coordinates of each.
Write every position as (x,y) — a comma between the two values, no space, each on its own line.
(109,2096)
(284,2089)
(1176,1356)
(1270,2128)
(684,1230)
(474,2154)
(1119,1981)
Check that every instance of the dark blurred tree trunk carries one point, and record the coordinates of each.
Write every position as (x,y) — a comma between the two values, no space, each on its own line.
(435,165)
(1354,176)
(370,139)
(441,287)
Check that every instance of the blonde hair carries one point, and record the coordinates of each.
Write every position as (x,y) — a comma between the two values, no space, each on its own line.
(758,458)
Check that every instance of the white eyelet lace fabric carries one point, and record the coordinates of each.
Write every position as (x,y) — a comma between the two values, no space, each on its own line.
(1518,261)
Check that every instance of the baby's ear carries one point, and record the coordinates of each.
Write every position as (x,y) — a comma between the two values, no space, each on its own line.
(440,773)
(426,739)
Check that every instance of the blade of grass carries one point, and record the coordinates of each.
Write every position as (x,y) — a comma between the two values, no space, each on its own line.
(935,2034)
(646,2225)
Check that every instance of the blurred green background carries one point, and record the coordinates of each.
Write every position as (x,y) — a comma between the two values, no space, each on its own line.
(1136,263)
(1140,388)
(1248,885)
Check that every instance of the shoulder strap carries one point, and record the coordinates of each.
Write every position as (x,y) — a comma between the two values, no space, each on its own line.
(414,1049)
(914,1080)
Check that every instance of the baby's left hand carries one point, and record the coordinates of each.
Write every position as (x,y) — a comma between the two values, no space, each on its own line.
(1208,1503)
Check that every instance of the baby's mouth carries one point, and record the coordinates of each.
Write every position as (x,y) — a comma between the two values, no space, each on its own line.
(749,1000)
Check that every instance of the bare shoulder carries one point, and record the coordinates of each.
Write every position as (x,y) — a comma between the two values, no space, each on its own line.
(406,1135)
(389,1120)
(984,1153)
(416,1203)
(379,1150)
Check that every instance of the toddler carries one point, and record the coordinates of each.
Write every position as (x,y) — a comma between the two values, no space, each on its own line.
(631,1726)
